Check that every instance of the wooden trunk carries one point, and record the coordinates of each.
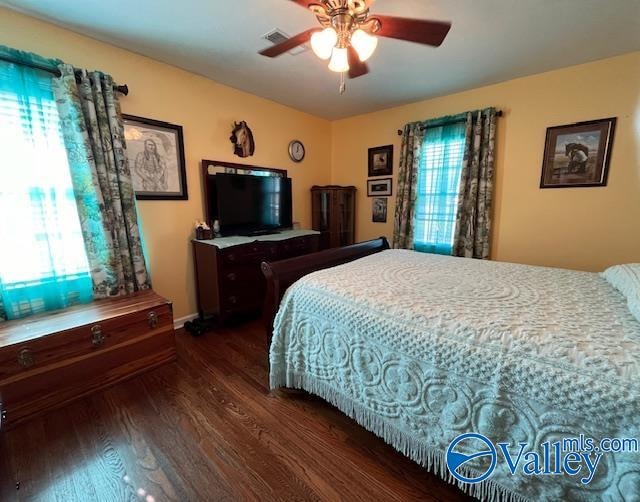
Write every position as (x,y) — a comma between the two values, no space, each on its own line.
(49,360)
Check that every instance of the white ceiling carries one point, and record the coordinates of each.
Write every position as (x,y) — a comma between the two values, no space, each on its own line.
(491,41)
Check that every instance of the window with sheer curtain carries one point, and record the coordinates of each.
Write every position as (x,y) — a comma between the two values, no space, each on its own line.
(43,264)
(438,186)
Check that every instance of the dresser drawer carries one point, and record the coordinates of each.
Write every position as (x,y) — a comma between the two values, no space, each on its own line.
(297,247)
(46,350)
(236,301)
(234,277)
(303,245)
(247,253)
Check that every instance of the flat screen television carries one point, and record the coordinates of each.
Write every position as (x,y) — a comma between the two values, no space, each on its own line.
(249,205)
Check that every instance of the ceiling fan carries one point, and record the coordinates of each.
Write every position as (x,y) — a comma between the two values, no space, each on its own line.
(348,36)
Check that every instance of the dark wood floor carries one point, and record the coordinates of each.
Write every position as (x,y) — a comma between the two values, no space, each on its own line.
(206,428)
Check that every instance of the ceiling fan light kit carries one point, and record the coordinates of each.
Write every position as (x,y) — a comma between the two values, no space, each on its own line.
(323,42)
(349,35)
(339,60)
(364,44)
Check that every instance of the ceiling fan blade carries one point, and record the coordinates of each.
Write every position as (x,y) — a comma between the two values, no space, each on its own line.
(290,43)
(420,31)
(302,3)
(356,67)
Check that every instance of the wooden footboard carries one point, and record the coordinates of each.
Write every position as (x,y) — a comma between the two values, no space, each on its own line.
(282,274)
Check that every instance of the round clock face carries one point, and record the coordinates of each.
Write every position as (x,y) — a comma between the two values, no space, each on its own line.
(296,150)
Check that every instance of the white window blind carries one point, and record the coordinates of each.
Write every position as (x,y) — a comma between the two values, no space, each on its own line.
(39,228)
(438,185)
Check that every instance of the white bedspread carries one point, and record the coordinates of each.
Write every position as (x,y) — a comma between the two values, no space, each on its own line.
(421,348)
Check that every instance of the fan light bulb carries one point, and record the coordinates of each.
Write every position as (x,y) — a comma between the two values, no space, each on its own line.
(323,42)
(364,44)
(339,60)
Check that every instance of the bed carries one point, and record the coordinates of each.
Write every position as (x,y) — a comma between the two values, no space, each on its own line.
(421,348)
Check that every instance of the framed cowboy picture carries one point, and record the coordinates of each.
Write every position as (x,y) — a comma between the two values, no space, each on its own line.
(155,151)
(577,155)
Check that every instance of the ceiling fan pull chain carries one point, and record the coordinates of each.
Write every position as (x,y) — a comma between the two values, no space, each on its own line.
(343,85)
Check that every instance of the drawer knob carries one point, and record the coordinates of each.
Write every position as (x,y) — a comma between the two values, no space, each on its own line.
(26,358)
(97,336)
(231,257)
(231,276)
(152,319)
(233,299)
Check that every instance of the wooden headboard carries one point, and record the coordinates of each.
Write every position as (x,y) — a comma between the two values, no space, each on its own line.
(282,274)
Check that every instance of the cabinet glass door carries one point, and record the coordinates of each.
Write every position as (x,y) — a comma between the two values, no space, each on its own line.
(345,209)
(321,210)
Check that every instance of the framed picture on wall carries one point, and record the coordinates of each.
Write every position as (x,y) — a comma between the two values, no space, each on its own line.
(577,155)
(379,188)
(381,161)
(379,210)
(155,151)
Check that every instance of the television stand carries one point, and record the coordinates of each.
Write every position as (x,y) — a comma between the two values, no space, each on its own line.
(229,281)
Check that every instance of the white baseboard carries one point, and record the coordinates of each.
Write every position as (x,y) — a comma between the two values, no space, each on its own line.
(179,323)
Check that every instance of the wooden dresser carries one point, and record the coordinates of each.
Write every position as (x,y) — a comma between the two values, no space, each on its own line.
(51,359)
(229,281)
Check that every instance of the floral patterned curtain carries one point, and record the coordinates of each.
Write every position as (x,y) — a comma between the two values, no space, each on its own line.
(93,132)
(406,192)
(472,236)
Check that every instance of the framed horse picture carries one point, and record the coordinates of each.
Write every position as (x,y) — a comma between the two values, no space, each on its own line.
(578,155)
(155,151)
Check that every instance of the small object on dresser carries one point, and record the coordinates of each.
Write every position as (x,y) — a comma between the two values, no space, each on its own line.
(216,228)
(203,231)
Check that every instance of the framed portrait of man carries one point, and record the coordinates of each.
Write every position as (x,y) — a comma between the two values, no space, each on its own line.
(155,151)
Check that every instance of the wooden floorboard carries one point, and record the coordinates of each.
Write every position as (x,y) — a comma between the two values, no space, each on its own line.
(206,428)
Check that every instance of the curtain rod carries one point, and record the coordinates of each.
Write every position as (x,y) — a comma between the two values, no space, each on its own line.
(122,89)
(498,114)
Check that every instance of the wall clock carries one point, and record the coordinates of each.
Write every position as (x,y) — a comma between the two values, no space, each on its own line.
(296,150)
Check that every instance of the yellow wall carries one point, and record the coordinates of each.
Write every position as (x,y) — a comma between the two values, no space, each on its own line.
(581,228)
(206,110)
(586,228)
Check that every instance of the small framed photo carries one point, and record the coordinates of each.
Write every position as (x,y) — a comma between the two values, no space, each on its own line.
(379,188)
(577,155)
(155,151)
(379,212)
(381,161)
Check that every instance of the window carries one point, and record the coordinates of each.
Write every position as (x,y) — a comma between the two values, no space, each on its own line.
(438,186)
(43,264)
